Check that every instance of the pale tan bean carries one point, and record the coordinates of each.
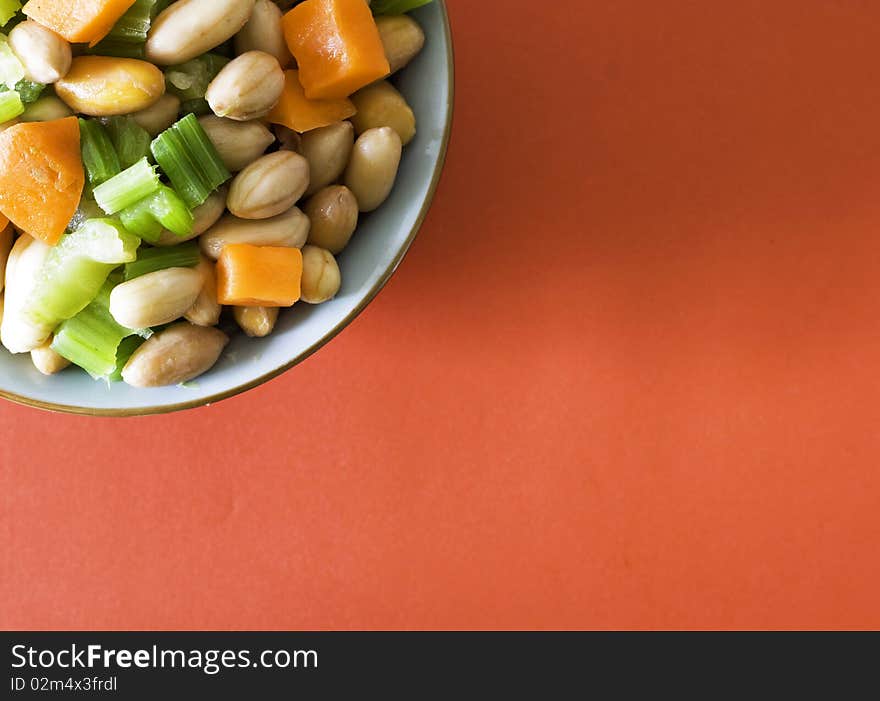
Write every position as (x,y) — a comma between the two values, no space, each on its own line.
(269,186)
(247,87)
(205,311)
(333,214)
(327,150)
(155,298)
(263,32)
(402,38)
(46,57)
(321,278)
(178,354)
(381,105)
(102,86)
(189,28)
(18,332)
(48,361)
(256,322)
(6,236)
(238,143)
(290,229)
(372,169)
(159,116)
(289,139)
(204,217)
(45,109)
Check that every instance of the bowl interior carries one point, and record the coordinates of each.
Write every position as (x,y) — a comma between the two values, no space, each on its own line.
(375,251)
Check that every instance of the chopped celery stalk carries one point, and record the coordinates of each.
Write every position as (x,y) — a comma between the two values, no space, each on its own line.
(117,49)
(29,91)
(8,8)
(126,349)
(11,69)
(135,23)
(130,186)
(76,268)
(92,338)
(189,81)
(198,107)
(396,7)
(161,210)
(10,105)
(132,142)
(190,161)
(149,260)
(126,38)
(99,157)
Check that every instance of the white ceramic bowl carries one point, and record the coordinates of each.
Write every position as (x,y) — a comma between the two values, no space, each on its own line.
(377,248)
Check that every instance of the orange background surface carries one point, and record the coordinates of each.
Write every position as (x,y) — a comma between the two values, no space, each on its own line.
(628,375)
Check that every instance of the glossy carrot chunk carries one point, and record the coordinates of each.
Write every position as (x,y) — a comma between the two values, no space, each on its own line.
(295,111)
(41,176)
(337,47)
(78,21)
(259,276)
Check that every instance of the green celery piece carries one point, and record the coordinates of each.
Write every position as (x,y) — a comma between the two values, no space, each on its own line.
(396,7)
(8,9)
(11,69)
(29,91)
(130,186)
(189,159)
(126,38)
(92,339)
(149,260)
(117,49)
(126,349)
(100,159)
(10,105)
(131,141)
(161,210)
(189,81)
(198,107)
(135,23)
(77,267)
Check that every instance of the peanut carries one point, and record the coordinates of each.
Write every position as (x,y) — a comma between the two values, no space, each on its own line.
(269,186)
(247,87)
(256,322)
(238,143)
(178,354)
(372,169)
(321,278)
(102,86)
(333,213)
(155,298)
(289,229)
(327,150)
(189,28)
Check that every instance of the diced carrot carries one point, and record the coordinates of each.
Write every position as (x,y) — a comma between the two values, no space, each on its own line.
(78,21)
(337,47)
(258,276)
(295,111)
(41,176)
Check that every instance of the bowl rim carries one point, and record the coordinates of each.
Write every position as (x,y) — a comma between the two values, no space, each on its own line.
(335,331)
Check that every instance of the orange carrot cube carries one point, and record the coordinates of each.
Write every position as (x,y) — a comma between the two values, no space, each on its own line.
(295,111)
(259,276)
(337,47)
